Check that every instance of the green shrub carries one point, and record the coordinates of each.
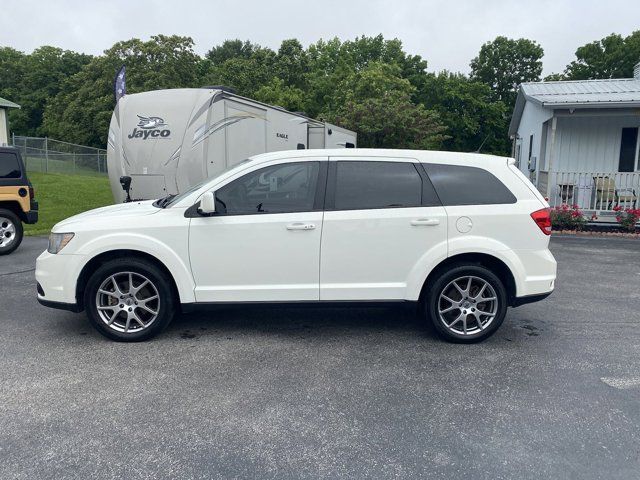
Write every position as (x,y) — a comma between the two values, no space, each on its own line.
(567,217)
(627,218)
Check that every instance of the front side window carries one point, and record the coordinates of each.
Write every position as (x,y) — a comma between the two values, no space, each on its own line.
(289,187)
(366,185)
(9,166)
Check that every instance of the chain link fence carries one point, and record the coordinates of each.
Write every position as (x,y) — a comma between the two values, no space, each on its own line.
(53,156)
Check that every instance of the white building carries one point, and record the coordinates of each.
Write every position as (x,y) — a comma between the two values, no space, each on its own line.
(5,105)
(578,141)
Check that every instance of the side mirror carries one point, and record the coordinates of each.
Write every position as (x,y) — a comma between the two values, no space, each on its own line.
(208,203)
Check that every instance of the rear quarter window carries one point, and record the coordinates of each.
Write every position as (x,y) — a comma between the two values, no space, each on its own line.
(9,166)
(461,185)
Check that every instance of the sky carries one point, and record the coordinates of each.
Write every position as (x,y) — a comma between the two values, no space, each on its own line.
(447,33)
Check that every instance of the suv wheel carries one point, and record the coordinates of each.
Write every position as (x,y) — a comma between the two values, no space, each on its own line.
(11,231)
(467,304)
(129,300)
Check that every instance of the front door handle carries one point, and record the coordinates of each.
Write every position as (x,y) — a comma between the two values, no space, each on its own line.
(301,226)
(427,222)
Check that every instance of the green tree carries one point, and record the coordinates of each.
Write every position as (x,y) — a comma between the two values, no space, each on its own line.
(327,68)
(249,68)
(278,93)
(613,56)
(32,80)
(82,110)
(292,64)
(376,102)
(12,65)
(504,63)
(333,61)
(11,70)
(473,119)
(554,77)
(231,49)
(244,74)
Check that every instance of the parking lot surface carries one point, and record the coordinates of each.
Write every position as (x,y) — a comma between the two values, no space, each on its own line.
(330,393)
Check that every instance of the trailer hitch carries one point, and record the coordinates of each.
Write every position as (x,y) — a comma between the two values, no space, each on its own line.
(125,181)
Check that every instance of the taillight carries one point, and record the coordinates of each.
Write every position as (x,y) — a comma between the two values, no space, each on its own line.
(32,193)
(543,220)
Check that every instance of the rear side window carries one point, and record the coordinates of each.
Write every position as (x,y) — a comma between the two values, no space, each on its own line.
(366,185)
(460,185)
(9,166)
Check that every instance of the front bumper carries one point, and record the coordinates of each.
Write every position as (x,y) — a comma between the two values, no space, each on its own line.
(57,276)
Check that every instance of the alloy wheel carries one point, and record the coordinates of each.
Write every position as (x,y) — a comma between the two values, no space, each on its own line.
(7,232)
(128,302)
(467,305)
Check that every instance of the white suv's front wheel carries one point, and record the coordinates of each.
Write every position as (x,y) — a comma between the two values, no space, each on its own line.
(467,303)
(129,300)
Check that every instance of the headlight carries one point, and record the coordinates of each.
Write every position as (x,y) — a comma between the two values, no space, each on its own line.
(57,241)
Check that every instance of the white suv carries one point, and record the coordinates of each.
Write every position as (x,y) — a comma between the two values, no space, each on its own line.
(463,235)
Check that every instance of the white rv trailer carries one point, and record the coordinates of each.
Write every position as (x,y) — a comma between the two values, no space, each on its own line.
(168,140)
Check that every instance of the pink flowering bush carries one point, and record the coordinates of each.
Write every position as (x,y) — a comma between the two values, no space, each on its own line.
(567,217)
(627,218)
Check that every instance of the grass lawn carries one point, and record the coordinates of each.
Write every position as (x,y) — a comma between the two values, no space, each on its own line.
(61,196)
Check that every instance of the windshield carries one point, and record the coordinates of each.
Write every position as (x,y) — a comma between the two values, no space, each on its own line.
(171,199)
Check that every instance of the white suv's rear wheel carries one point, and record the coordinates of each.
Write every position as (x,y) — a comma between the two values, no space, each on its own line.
(129,300)
(467,303)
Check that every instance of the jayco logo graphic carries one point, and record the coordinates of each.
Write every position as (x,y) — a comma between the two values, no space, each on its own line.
(150,127)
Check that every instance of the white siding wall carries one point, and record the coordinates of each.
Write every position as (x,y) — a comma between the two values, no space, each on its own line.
(4,134)
(590,143)
(531,123)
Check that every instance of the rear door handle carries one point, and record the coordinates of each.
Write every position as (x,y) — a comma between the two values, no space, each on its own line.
(426,222)
(301,226)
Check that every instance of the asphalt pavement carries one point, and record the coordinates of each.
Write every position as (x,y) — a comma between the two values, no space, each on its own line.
(330,393)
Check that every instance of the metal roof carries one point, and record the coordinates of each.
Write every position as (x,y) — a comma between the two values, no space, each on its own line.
(7,104)
(609,93)
(560,93)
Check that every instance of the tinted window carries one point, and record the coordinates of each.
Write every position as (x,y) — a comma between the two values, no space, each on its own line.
(289,187)
(9,166)
(363,185)
(459,185)
(628,143)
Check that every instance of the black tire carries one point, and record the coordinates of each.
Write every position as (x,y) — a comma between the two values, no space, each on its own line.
(165,305)
(443,285)
(13,239)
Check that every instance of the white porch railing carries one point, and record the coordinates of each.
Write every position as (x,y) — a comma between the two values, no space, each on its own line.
(594,192)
